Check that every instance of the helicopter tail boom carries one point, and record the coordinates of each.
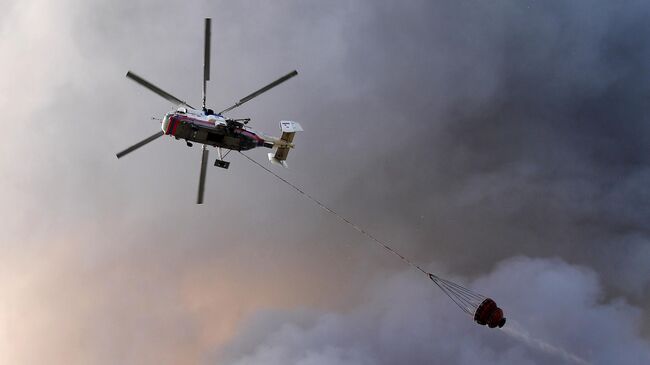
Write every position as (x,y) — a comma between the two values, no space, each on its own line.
(285,143)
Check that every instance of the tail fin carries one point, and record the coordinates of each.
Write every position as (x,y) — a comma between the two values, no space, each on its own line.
(285,143)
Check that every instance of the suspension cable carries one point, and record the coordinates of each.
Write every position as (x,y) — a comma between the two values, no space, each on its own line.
(340,217)
(460,295)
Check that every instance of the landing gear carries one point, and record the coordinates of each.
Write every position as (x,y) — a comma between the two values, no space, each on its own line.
(220,162)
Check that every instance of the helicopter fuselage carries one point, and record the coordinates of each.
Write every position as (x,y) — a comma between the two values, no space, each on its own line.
(212,130)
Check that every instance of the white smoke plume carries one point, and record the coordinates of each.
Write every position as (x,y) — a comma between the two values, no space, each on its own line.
(561,314)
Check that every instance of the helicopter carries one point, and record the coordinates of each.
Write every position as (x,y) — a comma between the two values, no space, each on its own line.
(208,128)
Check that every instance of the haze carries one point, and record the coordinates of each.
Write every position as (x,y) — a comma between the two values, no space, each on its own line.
(503,144)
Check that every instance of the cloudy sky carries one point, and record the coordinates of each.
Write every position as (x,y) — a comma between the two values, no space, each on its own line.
(503,144)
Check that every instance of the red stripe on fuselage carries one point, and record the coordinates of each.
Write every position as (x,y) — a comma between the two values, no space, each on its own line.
(170,126)
(174,126)
(252,135)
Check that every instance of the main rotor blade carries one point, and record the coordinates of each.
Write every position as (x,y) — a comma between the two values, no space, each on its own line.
(167,96)
(204,164)
(262,90)
(139,144)
(206,56)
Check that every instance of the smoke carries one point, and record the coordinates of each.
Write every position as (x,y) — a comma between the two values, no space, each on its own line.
(463,132)
(523,128)
(561,317)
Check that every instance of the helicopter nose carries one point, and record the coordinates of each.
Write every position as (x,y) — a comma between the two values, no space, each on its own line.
(165,124)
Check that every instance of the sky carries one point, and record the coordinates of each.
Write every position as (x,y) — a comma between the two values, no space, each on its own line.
(503,144)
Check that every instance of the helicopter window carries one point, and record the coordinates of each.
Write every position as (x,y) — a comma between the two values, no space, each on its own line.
(215,137)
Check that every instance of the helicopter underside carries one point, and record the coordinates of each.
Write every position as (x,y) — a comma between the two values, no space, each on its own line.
(232,138)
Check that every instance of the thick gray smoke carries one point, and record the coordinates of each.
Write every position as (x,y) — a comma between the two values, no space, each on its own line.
(508,128)
(403,320)
(464,132)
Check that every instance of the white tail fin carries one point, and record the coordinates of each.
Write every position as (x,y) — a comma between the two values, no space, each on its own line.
(289,129)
